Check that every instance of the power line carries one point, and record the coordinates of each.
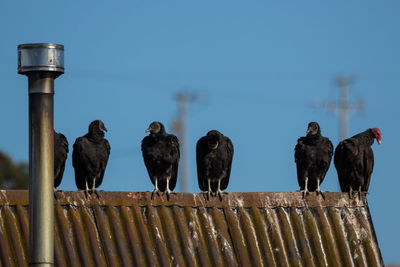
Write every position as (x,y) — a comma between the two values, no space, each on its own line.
(343,105)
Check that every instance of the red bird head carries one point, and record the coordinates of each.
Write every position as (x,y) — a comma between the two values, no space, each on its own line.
(377,134)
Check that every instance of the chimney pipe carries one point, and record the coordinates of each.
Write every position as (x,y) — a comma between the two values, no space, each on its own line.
(42,63)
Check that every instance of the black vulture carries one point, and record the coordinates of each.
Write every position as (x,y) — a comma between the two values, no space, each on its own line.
(214,154)
(313,154)
(161,156)
(60,156)
(90,156)
(354,161)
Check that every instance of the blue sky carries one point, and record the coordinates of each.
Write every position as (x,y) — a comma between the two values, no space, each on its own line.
(257,67)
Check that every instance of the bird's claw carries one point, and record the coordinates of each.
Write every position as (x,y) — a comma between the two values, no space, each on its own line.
(157,191)
(305,192)
(220,193)
(350,194)
(86,194)
(354,193)
(168,192)
(362,193)
(319,192)
(90,192)
(206,195)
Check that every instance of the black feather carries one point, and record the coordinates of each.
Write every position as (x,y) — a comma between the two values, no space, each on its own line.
(354,161)
(90,156)
(214,164)
(161,156)
(60,156)
(313,154)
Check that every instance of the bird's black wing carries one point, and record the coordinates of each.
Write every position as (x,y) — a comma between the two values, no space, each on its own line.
(326,151)
(330,149)
(201,152)
(298,149)
(105,149)
(79,162)
(60,156)
(340,166)
(147,147)
(300,158)
(368,167)
(175,155)
(347,162)
(229,158)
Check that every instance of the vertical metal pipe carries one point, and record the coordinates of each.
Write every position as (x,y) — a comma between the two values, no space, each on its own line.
(42,63)
(41,172)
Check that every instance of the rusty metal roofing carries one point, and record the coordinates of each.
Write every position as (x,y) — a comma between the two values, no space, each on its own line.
(244,229)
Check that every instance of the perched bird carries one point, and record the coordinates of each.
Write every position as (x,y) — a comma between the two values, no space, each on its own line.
(214,154)
(354,161)
(90,156)
(313,154)
(60,156)
(161,156)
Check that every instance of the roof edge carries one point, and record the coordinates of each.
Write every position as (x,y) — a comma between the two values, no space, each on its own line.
(233,199)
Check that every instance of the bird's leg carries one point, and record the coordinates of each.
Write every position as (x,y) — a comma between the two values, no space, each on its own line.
(86,189)
(208,192)
(351,193)
(94,190)
(318,191)
(219,191)
(359,192)
(156,190)
(168,191)
(305,191)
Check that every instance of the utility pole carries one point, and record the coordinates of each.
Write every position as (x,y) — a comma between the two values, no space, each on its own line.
(344,106)
(179,126)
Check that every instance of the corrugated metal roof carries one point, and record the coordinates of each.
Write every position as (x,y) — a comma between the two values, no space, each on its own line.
(244,229)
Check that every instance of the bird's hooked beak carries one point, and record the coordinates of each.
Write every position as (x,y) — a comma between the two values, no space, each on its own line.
(310,131)
(214,146)
(103,128)
(379,142)
(147,130)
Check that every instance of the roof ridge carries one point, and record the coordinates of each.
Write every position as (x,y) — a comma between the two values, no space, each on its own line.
(233,200)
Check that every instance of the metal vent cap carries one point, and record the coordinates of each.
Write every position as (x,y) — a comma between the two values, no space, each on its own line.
(40,57)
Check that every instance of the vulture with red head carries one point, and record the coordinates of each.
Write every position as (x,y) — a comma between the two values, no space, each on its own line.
(354,161)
